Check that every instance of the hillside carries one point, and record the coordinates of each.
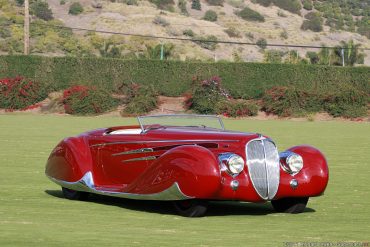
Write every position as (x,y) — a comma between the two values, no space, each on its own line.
(169,20)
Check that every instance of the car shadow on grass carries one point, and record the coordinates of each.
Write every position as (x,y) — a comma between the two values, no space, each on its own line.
(216,208)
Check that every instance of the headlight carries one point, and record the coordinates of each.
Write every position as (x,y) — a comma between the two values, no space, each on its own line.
(232,162)
(291,162)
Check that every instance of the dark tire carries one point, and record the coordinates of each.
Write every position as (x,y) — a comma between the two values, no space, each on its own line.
(191,208)
(75,195)
(293,205)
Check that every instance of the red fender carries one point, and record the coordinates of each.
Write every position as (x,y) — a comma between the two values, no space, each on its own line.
(194,168)
(312,179)
(69,160)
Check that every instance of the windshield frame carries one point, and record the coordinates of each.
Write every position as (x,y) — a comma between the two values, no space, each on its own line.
(144,129)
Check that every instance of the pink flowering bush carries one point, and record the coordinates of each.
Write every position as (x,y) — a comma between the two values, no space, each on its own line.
(20,93)
(83,100)
(206,95)
(209,97)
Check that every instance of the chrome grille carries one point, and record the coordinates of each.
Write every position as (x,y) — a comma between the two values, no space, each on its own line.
(263,166)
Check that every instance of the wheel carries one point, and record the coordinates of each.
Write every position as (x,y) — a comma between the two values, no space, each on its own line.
(191,208)
(75,195)
(293,205)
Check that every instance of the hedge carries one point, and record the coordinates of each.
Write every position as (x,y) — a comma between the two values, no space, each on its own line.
(173,78)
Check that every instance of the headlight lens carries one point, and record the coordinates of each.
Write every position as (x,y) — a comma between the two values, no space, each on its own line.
(236,164)
(295,163)
(231,163)
(291,162)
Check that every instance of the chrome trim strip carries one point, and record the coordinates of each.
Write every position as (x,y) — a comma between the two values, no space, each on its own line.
(161,141)
(136,151)
(86,184)
(140,159)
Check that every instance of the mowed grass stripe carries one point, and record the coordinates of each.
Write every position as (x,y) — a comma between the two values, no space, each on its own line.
(32,212)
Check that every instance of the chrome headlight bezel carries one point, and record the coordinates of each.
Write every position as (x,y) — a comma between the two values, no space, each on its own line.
(291,162)
(231,163)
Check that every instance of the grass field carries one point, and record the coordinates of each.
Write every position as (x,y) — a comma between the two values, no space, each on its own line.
(33,212)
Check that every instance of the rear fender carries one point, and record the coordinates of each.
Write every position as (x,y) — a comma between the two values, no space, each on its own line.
(312,179)
(195,169)
(70,160)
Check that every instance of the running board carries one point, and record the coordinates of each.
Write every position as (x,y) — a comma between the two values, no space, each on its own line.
(86,184)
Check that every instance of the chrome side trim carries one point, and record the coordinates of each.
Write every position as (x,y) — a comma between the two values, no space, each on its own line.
(86,184)
(136,151)
(141,158)
(161,141)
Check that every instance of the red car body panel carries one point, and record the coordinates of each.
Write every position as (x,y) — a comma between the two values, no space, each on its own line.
(150,163)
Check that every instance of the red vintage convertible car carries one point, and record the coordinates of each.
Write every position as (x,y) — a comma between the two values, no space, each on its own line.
(190,160)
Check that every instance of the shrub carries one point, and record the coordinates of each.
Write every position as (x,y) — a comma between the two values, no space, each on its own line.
(262,43)
(188,32)
(19,93)
(163,4)
(284,34)
(232,32)
(195,4)
(236,3)
(346,101)
(19,2)
(75,9)
(208,42)
(210,15)
(249,35)
(293,6)
(290,101)
(313,57)
(265,3)
(173,78)
(140,99)
(250,15)
(131,2)
(235,108)
(160,21)
(314,22)
(182,7)
(273,56)
(85,100)
(281,13)
(62,2)
(206,96)
(216,2)
(41,9)
(307,4)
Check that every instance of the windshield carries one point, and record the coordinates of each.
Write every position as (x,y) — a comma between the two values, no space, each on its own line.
(180,120)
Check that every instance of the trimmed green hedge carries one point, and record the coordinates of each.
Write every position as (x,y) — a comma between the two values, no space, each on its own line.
(173,78)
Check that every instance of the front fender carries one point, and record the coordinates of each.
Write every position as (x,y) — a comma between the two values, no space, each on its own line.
(70,160)
(194,168)
(312,179)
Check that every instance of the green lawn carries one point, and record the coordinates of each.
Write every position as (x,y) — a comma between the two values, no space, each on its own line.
(32,212)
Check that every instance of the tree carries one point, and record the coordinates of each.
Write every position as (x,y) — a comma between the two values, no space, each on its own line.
(154,52)
(314,22)
(210,15)
(262,43)
(273,56)
(41,10)
(75,9)
(110,50)
(195,4)
(350,52)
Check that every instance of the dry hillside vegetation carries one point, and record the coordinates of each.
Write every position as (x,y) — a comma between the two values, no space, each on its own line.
(279,26)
